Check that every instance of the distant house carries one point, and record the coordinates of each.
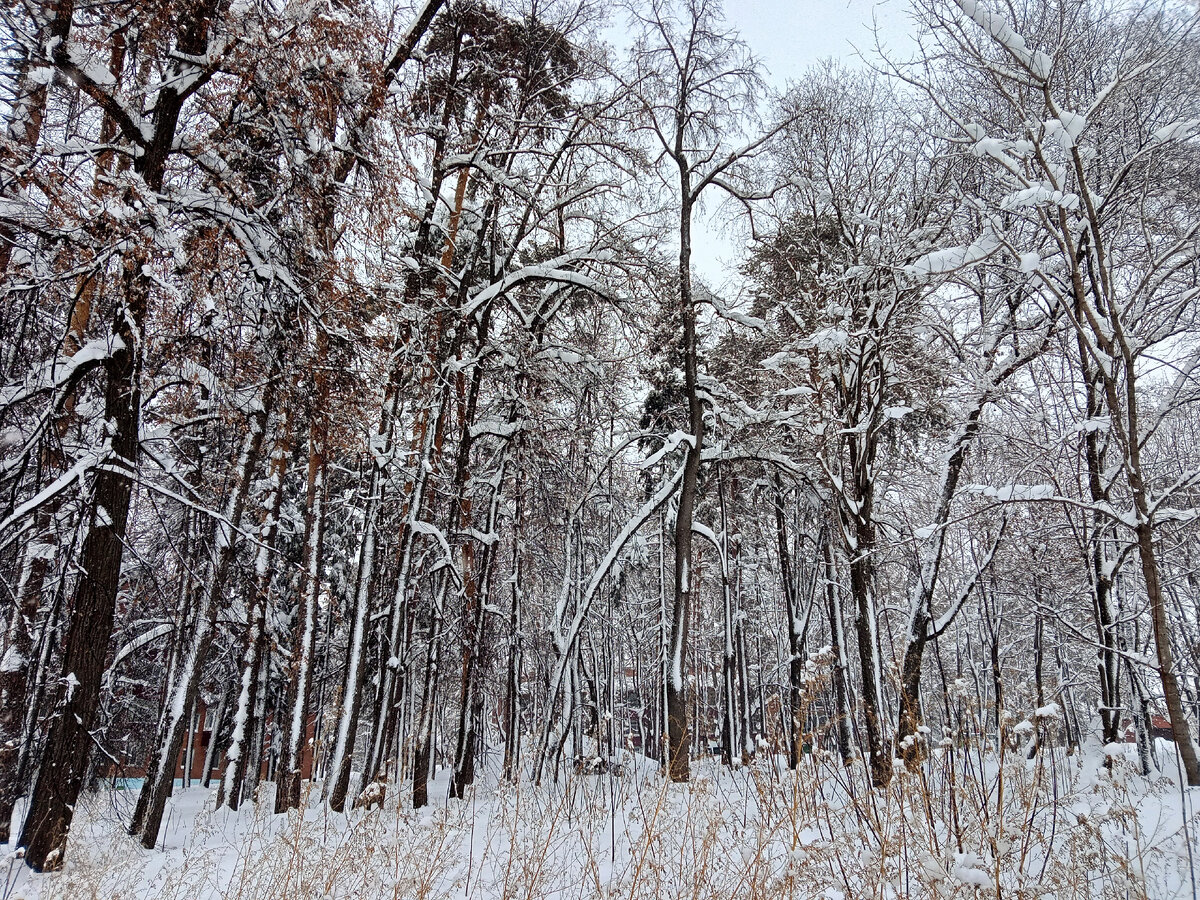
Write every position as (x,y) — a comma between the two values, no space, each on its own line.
(201,738)
(1160,727)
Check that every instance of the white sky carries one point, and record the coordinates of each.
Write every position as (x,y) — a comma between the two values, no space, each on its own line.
(788,38)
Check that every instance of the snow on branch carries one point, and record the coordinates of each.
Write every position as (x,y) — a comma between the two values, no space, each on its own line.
(551,270)
(447,554)
(943,262)
(62,372)
(146,637)
(56,487)
(1035,62)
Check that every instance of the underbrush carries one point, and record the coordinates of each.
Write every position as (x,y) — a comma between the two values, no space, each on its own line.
(964,823)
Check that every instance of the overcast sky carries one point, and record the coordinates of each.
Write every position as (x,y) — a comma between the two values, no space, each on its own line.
(788,38)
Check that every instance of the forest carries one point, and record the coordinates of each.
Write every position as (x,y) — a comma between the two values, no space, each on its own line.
(392,505)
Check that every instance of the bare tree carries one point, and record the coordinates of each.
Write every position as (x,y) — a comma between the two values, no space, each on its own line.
(694,85)
(1113,213)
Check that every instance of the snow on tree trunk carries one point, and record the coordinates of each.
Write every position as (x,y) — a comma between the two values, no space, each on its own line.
(294,727)
(238,757)
(184,691)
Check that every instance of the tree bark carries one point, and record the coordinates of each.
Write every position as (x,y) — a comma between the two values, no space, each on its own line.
(471,699)
(512,719)
(69,742)
(678,762)
(833,607)
(423,738)
(212,751)
(16,670)
(1166,662)
(27,112)
(796,628)
(60,777)
(861,588)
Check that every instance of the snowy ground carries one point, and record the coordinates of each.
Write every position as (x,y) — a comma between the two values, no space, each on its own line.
(965,825)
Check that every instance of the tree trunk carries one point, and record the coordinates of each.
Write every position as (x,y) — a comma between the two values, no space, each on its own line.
(796,628)
(512,731)
(1166,663)
(212,751)
(1039,687)
(865,619)
(68,745)
(28,107)
(258,731)
(153,799)
(189,744)
(69,742)
(295,725)
(347,728)
(1140,709)
(837,639)
(423,750)
(15,669)
(1108,664)
(254,646)
(729,698)
(471,699)
(679,764)
(1101,576)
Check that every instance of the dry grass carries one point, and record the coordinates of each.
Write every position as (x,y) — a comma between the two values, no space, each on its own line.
(969,822)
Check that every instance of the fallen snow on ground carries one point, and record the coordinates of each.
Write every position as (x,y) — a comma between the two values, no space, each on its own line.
(964,824)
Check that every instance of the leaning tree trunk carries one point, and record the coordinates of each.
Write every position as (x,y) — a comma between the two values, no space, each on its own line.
(1166,662)
(1121,398)
(69,743)
(1131,437)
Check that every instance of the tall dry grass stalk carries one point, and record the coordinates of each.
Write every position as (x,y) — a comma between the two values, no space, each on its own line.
(971,820)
